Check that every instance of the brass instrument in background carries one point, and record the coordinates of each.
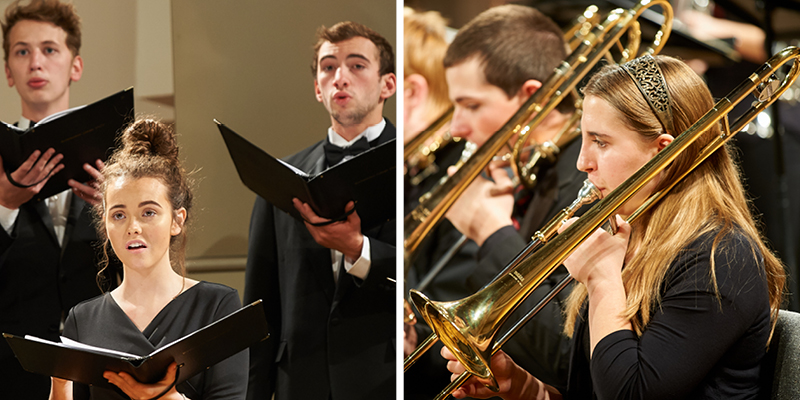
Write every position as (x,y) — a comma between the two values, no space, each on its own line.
(416,151)
(417,144)
(468,326)
(525,172)
(594,46)
(419,154)
(581,27)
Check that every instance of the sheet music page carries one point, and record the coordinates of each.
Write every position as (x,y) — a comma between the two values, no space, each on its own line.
(13,127)
(69,343)
(59,114)
(295,169)
(78,345)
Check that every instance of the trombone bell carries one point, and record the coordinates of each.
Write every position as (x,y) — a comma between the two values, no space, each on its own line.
(459,324)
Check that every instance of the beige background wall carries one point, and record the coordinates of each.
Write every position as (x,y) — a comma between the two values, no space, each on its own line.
(246,63)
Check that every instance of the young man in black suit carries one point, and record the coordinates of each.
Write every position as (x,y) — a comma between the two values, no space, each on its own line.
(48,262)
(328,290)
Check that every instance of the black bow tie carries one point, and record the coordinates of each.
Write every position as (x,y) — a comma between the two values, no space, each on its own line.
(334,154)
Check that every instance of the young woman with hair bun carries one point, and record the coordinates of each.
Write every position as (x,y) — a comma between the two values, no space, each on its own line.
(142,219)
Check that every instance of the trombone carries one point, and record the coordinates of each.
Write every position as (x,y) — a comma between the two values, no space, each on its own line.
(416,148)
(596,44)
(468,326)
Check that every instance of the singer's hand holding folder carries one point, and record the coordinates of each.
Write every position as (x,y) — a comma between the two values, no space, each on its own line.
(82,134)
(368,179)
(193,353)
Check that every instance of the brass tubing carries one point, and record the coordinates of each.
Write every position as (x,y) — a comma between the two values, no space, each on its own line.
(468,326)
(420,350)
(413,146)
(586,195)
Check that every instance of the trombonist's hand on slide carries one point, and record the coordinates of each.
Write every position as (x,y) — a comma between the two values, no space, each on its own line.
(513,381)
(344,236)
(33,170)
(90,191)
(485,206)
(137,390)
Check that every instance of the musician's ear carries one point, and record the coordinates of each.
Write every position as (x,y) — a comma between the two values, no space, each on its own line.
(388,85)
(317,91)
(664,139)
(528,88)
(415,91)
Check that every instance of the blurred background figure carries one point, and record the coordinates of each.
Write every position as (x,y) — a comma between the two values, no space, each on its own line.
(425,89)
(424,101)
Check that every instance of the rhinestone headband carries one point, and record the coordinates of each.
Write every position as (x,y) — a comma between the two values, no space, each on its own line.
(648,78)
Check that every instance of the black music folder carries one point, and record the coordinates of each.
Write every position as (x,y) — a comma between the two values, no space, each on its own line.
(195,352)
(368,179)
(82,134)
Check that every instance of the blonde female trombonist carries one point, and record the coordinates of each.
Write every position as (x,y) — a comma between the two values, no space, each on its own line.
(681,304)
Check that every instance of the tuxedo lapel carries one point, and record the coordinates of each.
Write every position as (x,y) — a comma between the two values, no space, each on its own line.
(47,220)
(75,208)
(314,160)
(389,132)
(320,267)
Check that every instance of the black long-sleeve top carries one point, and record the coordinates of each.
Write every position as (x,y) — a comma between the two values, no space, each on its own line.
(696,346)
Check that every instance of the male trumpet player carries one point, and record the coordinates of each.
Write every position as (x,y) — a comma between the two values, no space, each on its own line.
(495,63)
(328,290)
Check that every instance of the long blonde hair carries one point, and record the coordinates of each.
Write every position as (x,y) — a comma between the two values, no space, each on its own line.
(713,190)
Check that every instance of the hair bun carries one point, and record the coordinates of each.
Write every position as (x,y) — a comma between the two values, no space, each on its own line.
(148,137)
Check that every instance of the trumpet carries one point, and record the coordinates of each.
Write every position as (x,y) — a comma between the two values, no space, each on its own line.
(468,326)
(596,44)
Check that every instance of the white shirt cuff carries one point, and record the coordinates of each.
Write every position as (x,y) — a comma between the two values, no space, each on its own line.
(8,217)
(360,268)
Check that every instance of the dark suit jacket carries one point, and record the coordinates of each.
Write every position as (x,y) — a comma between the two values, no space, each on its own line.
(39,280)
(326,340)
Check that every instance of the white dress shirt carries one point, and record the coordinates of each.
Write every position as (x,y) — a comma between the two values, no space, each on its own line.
(57,204)
(359,267)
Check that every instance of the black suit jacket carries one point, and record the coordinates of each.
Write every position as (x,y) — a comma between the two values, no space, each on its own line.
(40,280)
(326,340)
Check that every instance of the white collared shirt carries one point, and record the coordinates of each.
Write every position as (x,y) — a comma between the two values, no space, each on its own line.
(360,267)
(57,204)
